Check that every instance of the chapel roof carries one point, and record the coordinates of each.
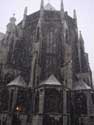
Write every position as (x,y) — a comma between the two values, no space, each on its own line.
(19,82)
(52,80)
(81,85)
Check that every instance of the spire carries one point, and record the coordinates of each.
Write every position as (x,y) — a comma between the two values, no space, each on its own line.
(79,50)
(24,17)
(62,11)
(74,14)
(41,10)
(42,5)
(25,11)
(41,13)
(81,39)
(80,36)
(62,6)
(63,21)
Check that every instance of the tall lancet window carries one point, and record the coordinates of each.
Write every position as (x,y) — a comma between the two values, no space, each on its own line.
(51,48)
(51,43)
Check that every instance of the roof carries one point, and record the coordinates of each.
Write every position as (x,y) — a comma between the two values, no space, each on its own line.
(52,80)
(19,82)
(81,85)
(49,7)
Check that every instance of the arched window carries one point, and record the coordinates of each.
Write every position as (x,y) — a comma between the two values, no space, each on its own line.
(80,102)
(36,102)
(53,101)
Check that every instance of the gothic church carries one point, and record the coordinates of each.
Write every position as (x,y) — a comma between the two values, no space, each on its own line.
(45,77)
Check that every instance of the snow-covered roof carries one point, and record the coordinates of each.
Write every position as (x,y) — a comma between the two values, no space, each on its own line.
(52,80)
(49,7)
(19,82)
(81,85)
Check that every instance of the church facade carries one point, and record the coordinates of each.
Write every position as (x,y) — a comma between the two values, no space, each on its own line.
(45,77)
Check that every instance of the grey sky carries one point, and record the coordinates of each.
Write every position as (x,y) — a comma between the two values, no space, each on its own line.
(85,14)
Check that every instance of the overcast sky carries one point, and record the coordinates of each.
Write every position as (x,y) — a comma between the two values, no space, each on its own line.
(85,14)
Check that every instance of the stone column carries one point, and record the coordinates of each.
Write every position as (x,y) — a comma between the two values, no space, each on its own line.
(64,107)
(14,98)
(88,102)
(12,102)
(38,118)
(41,100)
(9,102)
(24,120)
(1,119)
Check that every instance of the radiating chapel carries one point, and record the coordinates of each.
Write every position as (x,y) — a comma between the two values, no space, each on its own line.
(45,76)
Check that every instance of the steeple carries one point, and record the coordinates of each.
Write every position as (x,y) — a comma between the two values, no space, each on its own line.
(24,17)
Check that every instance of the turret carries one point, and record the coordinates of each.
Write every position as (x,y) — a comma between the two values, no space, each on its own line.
(11,28)
(11,25)
(13,19)
(10,37)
